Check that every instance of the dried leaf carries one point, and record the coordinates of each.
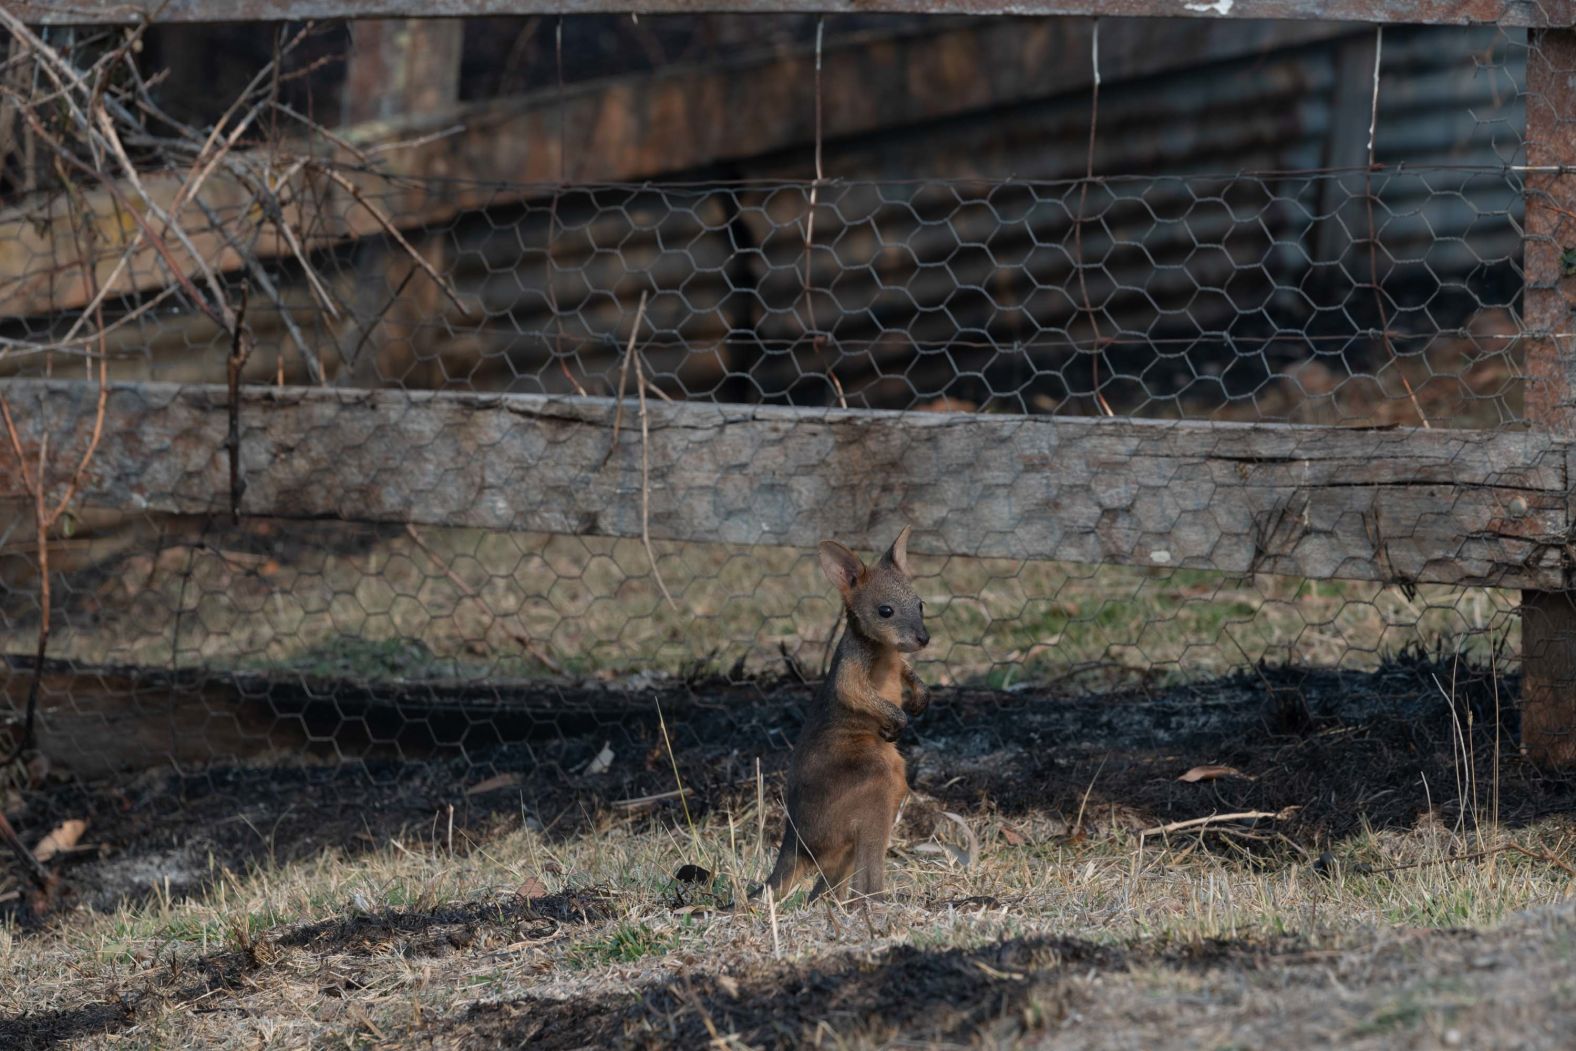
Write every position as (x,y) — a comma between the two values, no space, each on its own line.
(964,858)
(531,889)
(1013,837)
(62,839)
(1211,772)
(493,783)
(728,985)
(602,762)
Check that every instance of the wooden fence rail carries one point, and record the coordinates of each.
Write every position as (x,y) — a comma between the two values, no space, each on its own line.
(1456,507)
(1418,12)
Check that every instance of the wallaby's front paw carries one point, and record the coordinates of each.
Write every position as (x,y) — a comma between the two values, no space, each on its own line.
(894,726)
(919,698)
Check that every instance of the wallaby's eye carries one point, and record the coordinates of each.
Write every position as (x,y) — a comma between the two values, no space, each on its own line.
(885,611)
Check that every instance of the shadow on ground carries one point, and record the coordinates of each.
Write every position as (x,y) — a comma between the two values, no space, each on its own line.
(1348,748)
(945,995)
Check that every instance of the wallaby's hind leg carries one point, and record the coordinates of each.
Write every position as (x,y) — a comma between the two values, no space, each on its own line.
(792,866)
(836,870)
(870,863)
(870,844)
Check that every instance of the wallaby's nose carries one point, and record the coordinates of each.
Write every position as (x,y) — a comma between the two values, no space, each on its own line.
(923,637)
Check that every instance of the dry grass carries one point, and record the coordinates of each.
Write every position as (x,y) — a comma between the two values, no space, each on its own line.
(396,946)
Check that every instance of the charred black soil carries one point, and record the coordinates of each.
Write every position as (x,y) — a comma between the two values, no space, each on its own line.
(1347,750)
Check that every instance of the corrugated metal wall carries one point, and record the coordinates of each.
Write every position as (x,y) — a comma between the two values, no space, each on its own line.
(945,256)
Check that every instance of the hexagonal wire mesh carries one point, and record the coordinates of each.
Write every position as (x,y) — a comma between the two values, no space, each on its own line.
(1236,258)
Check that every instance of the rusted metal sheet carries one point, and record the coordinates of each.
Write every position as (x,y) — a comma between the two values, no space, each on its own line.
(1429,12)
(964,256)
(1265,102)
(639,127)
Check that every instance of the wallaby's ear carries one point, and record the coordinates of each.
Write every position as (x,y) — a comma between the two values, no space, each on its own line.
(897,554)
(841,566)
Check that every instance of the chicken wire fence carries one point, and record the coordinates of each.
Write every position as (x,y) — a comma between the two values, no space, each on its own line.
(1249,265)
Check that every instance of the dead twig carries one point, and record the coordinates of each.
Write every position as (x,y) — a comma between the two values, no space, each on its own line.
(393,231)
(240,351)
(552,213)
(623,377)
(1083,804)
(43,879)
(1373,238)
(632,355)
(443,566)
(377,319)
(817,340)
(45,517)
(1220,819)
(640,801)
(837,385)
(1083,200)
(537,652)
(645,481)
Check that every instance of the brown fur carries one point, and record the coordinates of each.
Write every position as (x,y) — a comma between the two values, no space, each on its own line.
(846,780)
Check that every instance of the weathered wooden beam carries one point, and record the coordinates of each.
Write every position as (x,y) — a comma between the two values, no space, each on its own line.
(1548,618)
(1460,507)
(619,130)
(1430,12)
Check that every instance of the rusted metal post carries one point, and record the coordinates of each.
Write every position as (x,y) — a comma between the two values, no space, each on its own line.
(1548,618)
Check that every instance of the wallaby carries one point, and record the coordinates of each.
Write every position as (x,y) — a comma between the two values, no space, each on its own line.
(845,778)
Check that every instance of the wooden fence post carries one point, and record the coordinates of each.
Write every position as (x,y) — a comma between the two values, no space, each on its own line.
(398,68)
(1548,628)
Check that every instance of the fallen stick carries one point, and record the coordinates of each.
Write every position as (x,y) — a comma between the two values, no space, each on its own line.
(643,800)
(1219,819)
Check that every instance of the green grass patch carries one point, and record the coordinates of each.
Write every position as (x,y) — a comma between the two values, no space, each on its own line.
(625,943)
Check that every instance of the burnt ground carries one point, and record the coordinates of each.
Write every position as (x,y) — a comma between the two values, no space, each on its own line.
(1351,751)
